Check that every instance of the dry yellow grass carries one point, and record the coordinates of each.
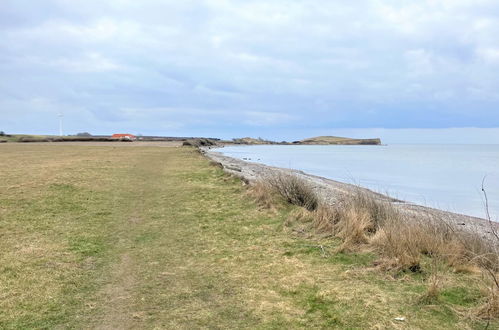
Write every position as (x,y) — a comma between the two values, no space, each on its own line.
(490,309)
(262,194)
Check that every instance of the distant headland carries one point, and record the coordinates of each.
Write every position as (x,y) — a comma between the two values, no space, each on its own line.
(319,140)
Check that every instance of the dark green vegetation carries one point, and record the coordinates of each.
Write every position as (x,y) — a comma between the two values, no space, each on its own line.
(199,142)
(150,237)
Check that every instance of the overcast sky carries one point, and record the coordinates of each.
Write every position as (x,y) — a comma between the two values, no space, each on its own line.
(280,69)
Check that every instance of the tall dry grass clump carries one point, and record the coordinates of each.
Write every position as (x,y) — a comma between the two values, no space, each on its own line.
(353,228)
(379,211)
(294,190)
(432,293)
(406,240)
(325,220)
(264,195)
(354,219)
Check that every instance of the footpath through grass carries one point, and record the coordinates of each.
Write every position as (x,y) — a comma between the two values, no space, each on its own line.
(149,237)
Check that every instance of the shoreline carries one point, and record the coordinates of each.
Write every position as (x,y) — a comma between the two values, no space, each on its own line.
(330,191)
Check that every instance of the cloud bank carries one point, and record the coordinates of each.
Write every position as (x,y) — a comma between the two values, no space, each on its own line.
(232,68)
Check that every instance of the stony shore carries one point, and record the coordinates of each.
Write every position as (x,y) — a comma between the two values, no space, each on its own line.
(330,192)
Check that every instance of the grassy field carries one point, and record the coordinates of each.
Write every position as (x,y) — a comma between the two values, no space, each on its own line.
(155,237)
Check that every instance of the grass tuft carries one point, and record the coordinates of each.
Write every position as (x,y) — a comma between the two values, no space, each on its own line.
(432,294)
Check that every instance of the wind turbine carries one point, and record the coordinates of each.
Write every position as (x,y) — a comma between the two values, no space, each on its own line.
(61,116)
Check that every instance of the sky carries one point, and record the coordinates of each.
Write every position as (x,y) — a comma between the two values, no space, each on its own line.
(407,71)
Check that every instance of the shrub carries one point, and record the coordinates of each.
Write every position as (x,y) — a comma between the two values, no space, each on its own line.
(294,190)
(199,142)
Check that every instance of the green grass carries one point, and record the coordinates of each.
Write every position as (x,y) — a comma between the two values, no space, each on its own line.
(151,237)
(461,296)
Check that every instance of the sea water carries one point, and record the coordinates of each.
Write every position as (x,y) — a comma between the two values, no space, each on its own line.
(447,177)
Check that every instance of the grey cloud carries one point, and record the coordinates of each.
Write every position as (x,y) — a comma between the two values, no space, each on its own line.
(250,64)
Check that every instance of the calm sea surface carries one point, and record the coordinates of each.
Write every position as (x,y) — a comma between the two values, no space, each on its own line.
(447,177)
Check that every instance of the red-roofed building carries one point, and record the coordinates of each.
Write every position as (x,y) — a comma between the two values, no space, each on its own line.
(127,137)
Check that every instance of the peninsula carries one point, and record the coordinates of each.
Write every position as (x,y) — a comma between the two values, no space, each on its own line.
(319,140)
